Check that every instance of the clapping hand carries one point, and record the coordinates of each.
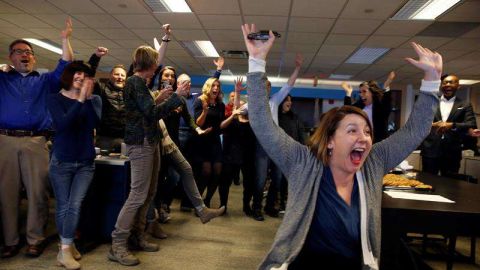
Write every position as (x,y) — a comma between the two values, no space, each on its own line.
(86,90)
(256,48)
(430,62)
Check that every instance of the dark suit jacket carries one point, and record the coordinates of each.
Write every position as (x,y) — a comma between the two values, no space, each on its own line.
(436,145)
(380,112)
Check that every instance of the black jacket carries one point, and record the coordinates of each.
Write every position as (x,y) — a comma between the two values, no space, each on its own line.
(450,143)
(380,112)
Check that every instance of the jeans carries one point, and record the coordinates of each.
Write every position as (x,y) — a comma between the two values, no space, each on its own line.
(145,165)
(70,182)
(262,163)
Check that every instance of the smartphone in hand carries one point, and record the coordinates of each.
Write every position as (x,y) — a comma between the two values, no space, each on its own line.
(262,35)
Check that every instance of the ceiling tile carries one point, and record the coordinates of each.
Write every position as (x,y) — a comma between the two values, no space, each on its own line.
(122,6)
(467,11)
(130,43)
(226,35)
(315,8)
(214,6)
(119,52)
(266,7)
(371,9)
(305,38)
(24,20)
(474,70)
(38,6)
(179,20)
(235,46)
(276,23)
(456,65)
(117,33)
(336,50)
(350,68)
(9,9)
(391,60)
(402,28)
(475,33)
(49,33)
(461,44)
(102,43)
(190,35)
(384,41)
(86,33)
(339,39)
(428,42)
(220,21)
(98,20)
(362,27)
(138,20)
(175,53)
(77,7)
(301,48)
(13,32)
(78,44)
(319,25)
(148,34)
(58,21)
(449,55)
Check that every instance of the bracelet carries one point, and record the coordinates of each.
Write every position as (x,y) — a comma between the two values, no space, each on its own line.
(166,40)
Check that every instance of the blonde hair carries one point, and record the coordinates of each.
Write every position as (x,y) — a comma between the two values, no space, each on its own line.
(207,90)
(144,58)
(328,124)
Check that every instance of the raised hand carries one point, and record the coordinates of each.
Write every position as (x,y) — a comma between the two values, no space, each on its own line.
(430,62)
(347,88)
(182,88)
(163,94)
(256,48)
(67,32)
(219,62)
(298,60)
(167,29)
(238,85)
(101,51)
(86,90)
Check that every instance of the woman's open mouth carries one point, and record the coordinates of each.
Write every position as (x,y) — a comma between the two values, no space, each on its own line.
(356,155)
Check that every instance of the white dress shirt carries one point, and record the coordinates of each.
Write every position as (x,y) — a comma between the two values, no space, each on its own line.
(446,107)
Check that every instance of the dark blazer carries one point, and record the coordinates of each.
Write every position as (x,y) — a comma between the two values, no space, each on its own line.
(450,143)
(380,112)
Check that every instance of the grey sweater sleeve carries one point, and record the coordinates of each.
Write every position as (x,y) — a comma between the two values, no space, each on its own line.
(397,147)
(281,148)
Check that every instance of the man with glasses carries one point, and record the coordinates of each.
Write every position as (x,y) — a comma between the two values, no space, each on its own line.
(24,126)
(442,149)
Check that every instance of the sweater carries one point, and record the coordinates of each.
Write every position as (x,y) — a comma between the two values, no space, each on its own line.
(305,171)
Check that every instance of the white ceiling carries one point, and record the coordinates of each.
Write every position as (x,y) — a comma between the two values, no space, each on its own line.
(327,32)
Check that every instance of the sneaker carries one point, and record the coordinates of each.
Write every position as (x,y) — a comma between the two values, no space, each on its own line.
(257,215)
(163,216)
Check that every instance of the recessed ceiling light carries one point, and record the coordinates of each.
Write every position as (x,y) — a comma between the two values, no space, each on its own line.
(366,55)
(424,9)
(46,44)
(168,6)
(469,82)
(201,48)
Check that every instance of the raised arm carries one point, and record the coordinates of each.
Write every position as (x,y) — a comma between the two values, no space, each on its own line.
(397,147)
(95,59)
(347,100)
(236,103)
(219,62)
(67,51)
(280,147)
(389,80)
(277,98)
(167,30)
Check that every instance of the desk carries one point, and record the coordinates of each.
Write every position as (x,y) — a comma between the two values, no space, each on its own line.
(105,198)
(461,218)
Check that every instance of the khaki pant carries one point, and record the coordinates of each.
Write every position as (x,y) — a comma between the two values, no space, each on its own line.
(23,160)
(144,167)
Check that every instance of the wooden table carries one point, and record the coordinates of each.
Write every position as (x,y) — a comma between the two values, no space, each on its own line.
(461,218)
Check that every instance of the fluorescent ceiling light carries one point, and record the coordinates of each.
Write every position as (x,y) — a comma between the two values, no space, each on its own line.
(424,9)
(366,55)
(469,82)
(168,6)
(340,76)
(46,44)
(201,48)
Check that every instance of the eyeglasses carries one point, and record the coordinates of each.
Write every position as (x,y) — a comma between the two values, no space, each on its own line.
(20,52)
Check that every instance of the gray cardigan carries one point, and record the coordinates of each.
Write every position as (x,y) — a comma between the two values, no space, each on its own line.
(304,171)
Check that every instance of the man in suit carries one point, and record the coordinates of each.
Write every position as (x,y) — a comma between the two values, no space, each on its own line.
(442,149)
